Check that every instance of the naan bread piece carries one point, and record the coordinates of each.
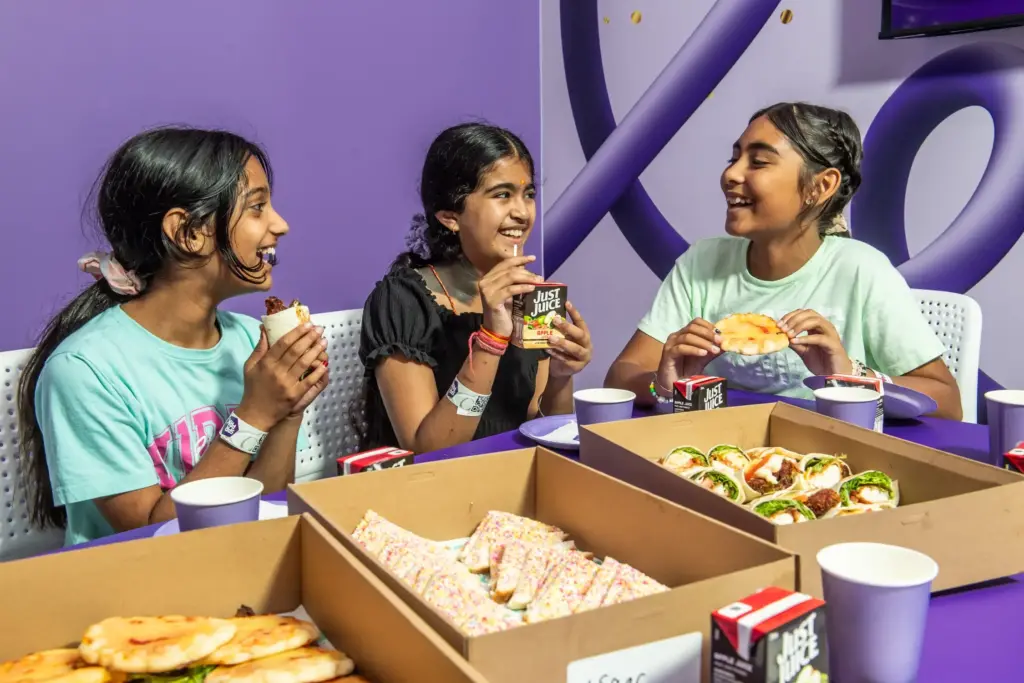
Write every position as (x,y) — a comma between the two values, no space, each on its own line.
(141,645)
(751,334)
(54,666)
(305,665)
(263,636)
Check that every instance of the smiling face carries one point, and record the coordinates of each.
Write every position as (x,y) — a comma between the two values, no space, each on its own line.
(255,230)
(497,216)
(762,183)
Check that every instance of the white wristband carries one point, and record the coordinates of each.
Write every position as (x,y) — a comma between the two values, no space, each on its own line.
(241,435)
(467,402)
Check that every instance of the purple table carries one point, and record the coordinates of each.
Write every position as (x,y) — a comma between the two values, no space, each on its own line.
(985,617)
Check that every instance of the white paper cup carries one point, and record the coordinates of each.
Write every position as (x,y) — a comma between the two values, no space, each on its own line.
(283,322)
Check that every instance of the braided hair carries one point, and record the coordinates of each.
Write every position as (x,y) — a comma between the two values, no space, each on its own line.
(825,138)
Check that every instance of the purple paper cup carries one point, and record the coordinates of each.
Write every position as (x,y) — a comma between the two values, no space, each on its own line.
(217,501)
(855,405)
(876,601)
(1005,422)
(602,405)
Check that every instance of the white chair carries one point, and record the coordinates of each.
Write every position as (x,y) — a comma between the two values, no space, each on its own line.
(329,420)
(956,319)
(18,537)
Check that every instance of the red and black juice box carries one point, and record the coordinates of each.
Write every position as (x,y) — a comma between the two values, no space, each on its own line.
(700,392)
(377,459)
(533,315)
(1013,459)
(875,383)
(773,636)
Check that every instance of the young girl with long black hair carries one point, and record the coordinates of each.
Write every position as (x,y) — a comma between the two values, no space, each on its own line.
(141,382)
(789,255)
(450,293)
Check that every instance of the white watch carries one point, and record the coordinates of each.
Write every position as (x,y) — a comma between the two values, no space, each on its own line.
(241,435)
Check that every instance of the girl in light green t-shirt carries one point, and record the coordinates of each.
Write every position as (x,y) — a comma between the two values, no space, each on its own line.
(788,255)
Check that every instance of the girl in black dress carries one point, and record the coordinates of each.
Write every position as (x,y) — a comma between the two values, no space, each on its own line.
(439,369)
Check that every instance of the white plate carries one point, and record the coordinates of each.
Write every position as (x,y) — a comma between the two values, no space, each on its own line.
(267,511)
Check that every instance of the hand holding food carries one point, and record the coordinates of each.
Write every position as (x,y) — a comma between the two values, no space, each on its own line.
(573,351)
(281,319)
(497,288)
(820,348)
(688,351)
(751,334)
(278,383)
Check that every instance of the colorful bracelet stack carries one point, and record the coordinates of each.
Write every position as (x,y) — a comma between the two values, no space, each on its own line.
(489,342)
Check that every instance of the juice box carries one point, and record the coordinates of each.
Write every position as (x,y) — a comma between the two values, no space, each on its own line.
(772,636)
(700,392)
(376,459)
(533,314)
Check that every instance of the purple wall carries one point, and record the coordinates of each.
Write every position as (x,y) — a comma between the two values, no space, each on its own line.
(346,97)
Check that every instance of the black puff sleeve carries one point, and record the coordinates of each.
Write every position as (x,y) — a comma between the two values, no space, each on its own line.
(400,316)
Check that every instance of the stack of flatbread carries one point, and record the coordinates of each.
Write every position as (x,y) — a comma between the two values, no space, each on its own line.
(511,570)
(179,649)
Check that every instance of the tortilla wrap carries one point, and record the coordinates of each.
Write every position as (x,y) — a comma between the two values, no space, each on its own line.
(728,480)
(875,478)
(280,324)
(840,511)
(759,462)
(728,456)
(813,465)
(684,459)
(773,506)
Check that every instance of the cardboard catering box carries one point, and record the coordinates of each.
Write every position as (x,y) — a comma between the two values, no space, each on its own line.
(965,515)
(273,567)
(705,563)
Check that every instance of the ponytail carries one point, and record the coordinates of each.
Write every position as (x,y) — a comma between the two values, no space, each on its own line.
(427,242)
(95,300)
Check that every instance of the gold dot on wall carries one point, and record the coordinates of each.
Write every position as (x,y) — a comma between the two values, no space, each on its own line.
(636,16)
(786,16)
(607,20)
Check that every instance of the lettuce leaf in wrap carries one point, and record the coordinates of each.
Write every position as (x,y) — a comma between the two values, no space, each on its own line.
(729,456)
(712,479)
(771,507)
(685,458)
(864,488)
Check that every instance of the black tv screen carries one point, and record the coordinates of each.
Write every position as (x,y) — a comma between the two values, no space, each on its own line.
(905,18)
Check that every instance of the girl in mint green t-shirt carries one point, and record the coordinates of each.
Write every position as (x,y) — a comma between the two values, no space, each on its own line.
(141,382)
(788,255)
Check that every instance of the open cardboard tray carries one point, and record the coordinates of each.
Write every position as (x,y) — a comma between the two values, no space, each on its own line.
(273,566)
(967,516)
(706,563)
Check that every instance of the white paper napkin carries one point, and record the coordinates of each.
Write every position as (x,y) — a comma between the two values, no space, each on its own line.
(567,433)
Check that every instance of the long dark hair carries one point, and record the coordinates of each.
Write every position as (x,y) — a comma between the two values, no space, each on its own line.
(825,138)
(198,171)
(456,163)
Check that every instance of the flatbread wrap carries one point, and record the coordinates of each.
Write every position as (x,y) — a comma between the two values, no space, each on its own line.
(872,487)
(822,471)
(782,511)
(281,319)
(684,459)
(720,482)
(820,501)
(774,471)
(751,334)
(728,456)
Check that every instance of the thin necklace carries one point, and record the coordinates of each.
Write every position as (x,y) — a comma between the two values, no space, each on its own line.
(443,288)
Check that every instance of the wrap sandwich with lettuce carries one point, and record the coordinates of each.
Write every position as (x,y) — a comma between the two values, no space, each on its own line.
(780,510)
(684,459)
(774,470)
(822,471)
(728,456)
(819,501)
(872,487)
(720,482)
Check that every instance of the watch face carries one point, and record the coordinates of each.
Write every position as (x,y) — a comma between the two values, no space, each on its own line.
(231,426)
